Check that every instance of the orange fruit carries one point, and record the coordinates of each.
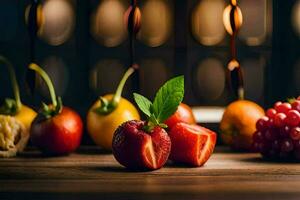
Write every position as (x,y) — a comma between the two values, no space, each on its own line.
(238,123)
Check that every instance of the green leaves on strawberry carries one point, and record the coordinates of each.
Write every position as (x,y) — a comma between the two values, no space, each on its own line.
(165,103)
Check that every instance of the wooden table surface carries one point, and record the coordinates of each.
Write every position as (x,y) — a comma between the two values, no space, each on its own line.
(92,174)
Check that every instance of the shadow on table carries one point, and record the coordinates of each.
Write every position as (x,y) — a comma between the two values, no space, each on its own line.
(32,152)
(117,169)
(92,150)
(271,161)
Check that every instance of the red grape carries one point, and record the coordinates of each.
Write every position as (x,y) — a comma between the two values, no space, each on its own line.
(297,144)
(278,133)
(292,118)
(262,123)
(296,105)
(270,135)
(279,119)
(271,112)
(276,145)
(255,146)
(283,108)
(284,131)
(258,136)
(295,133)
(277,104)
(287,145)
(264,147)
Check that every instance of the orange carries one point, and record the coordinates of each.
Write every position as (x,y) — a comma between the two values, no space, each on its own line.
(238,123)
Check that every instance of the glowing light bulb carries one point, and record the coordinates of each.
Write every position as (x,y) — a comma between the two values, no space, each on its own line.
(237,18)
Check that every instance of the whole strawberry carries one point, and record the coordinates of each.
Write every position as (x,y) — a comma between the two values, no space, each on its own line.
(145,144)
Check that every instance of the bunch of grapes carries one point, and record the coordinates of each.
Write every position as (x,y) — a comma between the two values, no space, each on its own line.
(277,134)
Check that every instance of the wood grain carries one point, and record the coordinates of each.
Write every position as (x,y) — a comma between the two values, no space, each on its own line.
(92,174)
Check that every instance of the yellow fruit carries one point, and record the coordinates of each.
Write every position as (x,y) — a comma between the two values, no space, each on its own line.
(26,115)
(102,127)
(238,123)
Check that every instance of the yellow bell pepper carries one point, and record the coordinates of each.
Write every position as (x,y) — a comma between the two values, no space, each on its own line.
(108,113)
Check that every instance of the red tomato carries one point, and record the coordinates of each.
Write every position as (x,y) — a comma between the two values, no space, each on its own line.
(184,114)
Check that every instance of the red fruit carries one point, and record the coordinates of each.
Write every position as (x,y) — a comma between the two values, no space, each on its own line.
(296,144)
(281,138)
(283,108)
(258,136)
(183,114)
(191,144)
(276,145)
(58,135)
(135,148)
(277,104)
(287,145)
(292,118)
(295,133)
(264,148)
(271,135)
(296,105)
(279,119)
(255,146)
(262,124)
(298,98)
(271,112)
(284,131)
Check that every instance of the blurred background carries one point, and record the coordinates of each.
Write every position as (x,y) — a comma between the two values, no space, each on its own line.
(84,46)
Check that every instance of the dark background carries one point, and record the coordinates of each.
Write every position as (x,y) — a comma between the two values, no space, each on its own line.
(271,68)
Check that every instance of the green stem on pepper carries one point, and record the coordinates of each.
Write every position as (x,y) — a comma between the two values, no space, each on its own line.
(11,106)
(56,107)
(107,106)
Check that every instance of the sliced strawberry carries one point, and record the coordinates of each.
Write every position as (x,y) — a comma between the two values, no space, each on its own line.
(161,145)
(191,144)
(136,149)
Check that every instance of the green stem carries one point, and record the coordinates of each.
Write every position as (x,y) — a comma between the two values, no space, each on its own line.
(108,106)
(117,96)
(14,82)
(47,80)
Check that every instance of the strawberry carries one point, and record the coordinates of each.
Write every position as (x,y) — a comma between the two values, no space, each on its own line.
(137,149)
(145,145)
(191,144)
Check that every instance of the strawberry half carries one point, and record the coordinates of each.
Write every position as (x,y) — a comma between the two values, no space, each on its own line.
(191,144)
(135,148)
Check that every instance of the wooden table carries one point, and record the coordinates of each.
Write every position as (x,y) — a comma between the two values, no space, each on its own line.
(92,174)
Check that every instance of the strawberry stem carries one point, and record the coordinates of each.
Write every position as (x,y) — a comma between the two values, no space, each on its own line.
(14,82)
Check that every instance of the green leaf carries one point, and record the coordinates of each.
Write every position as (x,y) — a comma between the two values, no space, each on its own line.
(143,103)
(168,98)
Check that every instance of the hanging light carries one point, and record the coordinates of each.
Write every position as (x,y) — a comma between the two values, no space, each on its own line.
(232,17)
